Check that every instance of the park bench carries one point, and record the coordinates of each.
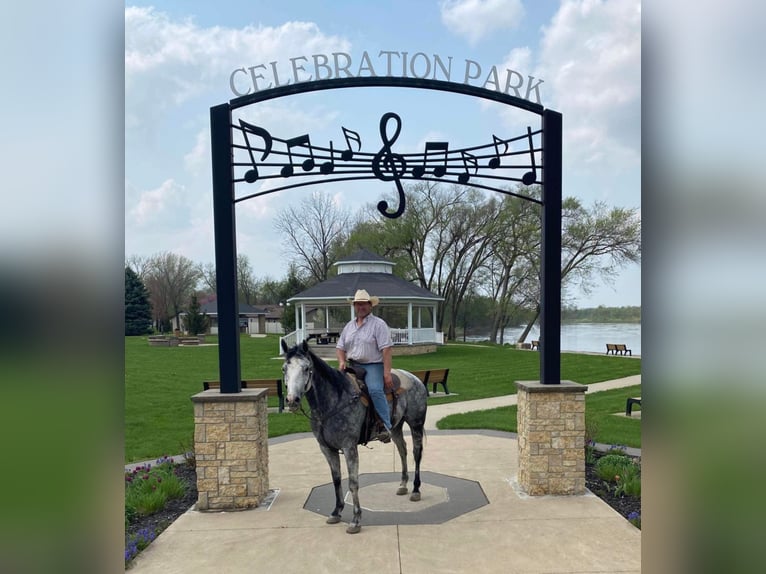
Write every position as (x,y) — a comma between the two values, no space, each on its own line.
(190,340)
(629,405)
(433,377)
(536,345)
(617,349)
(272,385)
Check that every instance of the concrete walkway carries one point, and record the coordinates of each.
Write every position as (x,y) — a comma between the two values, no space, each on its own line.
(508,533)
(437,412)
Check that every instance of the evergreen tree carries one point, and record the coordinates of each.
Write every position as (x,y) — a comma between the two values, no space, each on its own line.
(138,310)
(195,323)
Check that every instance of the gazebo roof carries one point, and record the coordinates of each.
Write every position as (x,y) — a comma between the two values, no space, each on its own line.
(362,256)
(383,284)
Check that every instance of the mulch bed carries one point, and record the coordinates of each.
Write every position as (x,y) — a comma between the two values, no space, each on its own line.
(625,505)
(160,520)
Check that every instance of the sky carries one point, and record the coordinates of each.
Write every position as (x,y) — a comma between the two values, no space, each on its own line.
(179,56)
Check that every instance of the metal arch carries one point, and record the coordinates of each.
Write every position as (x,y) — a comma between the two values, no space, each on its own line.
(225,220)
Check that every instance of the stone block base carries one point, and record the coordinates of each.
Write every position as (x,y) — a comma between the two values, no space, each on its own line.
(231,437)
(551,427)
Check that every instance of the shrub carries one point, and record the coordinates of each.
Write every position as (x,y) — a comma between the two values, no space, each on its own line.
(611,465)
(629,482)
(148,488)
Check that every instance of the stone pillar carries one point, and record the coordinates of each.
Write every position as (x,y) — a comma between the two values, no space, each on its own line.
(551,427)
(231,438)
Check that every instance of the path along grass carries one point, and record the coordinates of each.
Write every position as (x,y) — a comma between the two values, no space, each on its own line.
(602,410)
(159,383)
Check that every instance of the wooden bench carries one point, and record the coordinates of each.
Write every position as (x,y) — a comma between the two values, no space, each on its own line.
(535,345)
(272,385)
(433,377)
(629,405)
(617,349)
(190,340)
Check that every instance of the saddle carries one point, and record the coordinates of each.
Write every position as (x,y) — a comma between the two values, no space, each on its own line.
(372,424)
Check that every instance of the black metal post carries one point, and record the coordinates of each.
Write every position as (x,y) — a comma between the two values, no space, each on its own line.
(550,298)
(225,249)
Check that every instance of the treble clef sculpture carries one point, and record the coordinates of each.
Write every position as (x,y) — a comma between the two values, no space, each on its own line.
(390,166)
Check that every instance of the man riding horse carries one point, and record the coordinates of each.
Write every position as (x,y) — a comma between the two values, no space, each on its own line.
(366,342)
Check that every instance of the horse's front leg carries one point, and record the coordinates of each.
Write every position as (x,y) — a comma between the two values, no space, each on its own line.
(333,459)
(417,451)
(398,438)
(352,463)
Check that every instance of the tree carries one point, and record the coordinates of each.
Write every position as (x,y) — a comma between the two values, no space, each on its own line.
(207,275)
(195,323)
(138,310)
(171,280)
(511,265)
(292,285)
(313,230)
(594,242)
(456,241)
(443,234)
(139,264)
(247,284)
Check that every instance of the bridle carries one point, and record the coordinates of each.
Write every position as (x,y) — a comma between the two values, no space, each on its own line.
(309,383)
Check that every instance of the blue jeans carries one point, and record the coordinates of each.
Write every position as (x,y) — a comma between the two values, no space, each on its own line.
(375,385)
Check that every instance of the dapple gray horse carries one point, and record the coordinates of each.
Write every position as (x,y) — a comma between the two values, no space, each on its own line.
(337,416)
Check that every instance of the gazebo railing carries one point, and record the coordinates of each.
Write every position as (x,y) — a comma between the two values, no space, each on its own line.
(398,337)
(402,336)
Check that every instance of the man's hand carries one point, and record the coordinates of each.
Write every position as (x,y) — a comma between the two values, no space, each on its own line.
(388,382)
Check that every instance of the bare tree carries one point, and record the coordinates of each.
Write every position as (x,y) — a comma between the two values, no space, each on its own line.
(511,266)
(594,243)
(139,264)
(247,284)
(171,281)
(312,230)
(469,235)
(207,275)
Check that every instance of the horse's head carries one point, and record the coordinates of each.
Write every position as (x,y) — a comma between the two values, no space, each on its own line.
(297,373)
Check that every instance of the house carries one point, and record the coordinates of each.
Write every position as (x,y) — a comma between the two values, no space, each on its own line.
(256,319)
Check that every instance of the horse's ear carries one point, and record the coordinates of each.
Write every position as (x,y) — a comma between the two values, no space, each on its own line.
(284,345)
(305,346)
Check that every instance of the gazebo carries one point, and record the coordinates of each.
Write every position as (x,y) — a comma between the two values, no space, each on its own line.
(410,311)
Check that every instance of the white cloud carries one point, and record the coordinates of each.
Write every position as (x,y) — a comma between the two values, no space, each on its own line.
(475,19)
(152,203)
(197,160)
(168,62)
(591,62)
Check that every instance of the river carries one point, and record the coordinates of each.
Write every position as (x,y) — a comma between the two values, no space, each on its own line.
(591,337)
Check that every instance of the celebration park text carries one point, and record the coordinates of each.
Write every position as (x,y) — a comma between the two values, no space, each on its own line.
(244,81)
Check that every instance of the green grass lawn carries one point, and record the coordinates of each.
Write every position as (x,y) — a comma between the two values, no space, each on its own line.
(159,383)
(599,411)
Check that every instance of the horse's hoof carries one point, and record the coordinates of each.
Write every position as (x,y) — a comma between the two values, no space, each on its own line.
(415,496)
(402,490)
(333,519)
(353,529)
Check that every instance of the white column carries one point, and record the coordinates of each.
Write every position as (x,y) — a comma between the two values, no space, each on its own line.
(409,322)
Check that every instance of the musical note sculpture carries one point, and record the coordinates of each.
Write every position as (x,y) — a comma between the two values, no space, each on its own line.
(490,166)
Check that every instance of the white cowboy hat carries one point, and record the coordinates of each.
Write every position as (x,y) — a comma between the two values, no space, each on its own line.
(362,296)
